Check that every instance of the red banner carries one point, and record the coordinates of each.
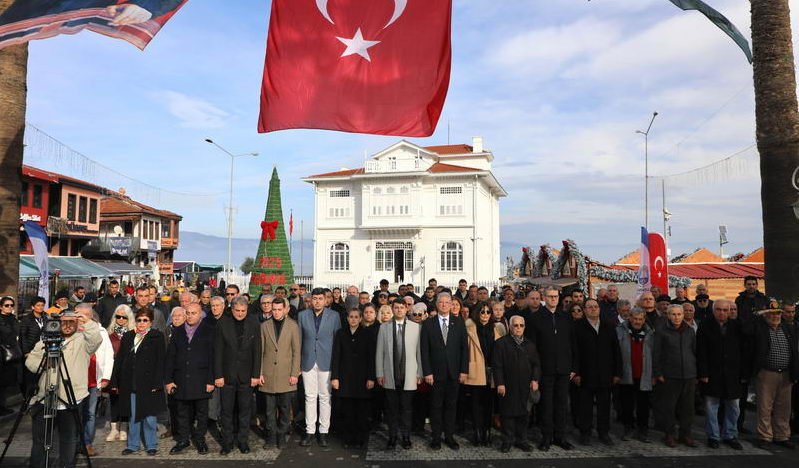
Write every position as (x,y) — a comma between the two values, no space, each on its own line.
(365,66)
(135,21)
(658,262)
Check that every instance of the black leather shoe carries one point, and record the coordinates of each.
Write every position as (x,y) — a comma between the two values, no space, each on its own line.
(128,451)
(406,443)
(244,447)
(225,450)
(584,439)
(452,444)
(524,446)
(392,443)
(152,452)
(323,440)
(306,441)
(202,448)
(713,443)
(563,443)
(733,444)
(435,445)
(606,440)
(786,444)
(179,447)
(544,444)
(505,447)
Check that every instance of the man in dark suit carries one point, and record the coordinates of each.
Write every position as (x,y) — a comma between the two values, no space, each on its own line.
(237,368)
(552,331)
(189,373)
(445,364)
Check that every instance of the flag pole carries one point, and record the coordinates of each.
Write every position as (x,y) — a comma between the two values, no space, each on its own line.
(302,247)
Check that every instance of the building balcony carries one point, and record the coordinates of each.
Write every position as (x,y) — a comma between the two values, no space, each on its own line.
(125,247)
(377,166)
(169,242)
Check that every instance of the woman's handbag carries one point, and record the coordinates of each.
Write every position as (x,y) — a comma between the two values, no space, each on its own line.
(10,352)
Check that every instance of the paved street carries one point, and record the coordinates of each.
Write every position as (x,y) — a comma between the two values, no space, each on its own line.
(627,454)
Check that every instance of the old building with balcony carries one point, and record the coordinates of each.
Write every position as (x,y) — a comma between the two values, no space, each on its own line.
(411,213)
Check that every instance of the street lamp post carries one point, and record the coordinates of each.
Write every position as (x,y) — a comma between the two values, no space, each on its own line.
(229,267)
(646,169)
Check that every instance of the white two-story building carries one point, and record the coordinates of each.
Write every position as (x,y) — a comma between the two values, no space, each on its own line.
(412,213)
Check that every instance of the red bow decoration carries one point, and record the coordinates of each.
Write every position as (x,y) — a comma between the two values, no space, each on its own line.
(268,229)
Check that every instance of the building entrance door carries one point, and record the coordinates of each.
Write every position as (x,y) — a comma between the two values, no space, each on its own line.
(399,266)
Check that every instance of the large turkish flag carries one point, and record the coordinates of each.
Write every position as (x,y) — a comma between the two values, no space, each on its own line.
(658,262)
(365,66)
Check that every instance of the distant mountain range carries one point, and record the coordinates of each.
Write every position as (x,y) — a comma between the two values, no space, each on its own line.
(203,248)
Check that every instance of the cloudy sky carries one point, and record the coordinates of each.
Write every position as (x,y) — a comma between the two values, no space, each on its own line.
(556,89)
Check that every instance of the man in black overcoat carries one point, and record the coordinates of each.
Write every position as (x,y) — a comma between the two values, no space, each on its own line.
(516,370)
(445,365)
(237,370)
(189,377)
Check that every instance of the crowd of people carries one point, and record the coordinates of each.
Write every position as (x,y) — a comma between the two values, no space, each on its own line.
(464,359)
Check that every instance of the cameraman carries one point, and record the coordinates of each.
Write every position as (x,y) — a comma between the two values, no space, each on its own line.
(81,338)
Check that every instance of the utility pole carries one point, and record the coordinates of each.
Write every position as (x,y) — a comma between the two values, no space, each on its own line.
(646,169)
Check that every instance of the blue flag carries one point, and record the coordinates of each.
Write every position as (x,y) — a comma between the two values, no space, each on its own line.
(39,242)
(719,20)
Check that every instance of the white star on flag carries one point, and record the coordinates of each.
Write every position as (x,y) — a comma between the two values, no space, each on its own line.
(357,45)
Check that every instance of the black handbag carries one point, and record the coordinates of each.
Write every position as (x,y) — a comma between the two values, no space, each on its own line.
(10,352)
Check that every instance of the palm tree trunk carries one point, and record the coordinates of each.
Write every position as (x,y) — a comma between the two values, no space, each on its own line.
(13,93)
(777,118)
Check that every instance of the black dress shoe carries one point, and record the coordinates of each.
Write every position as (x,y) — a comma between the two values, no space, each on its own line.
(392,443)
(524,446)
(606,440)
(179,447)
(505,447)
(544,445)
(152,452)
(323,440)
(564,444)
(128,451)
(406,443)
(786,444)
(244,447)
(584,439)
(452,444)
(306,440)
(435,445)
(202,448)
(713,443)
(225,450)
(733,444)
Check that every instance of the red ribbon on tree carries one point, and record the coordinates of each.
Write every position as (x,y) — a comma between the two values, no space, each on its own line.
(268,229)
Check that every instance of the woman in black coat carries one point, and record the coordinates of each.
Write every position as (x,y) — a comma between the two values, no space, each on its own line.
(139,379)
(9,330)
(352,374)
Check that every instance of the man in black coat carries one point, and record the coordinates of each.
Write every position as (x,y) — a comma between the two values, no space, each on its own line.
(516,371)
(189,377)
(108,304)
(237,368)
(30,330)
(720,370)
(750,300)
(554,338)
(598,368)
(445,365)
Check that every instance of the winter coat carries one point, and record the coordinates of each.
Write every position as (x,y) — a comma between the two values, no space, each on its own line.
(444,361)
(749,306)
(515,366)
(9,332)
(719,358)
(280,358)
(29,332)
(353,362)
(555,345)
(625,347)
(140,372)
(674,356)
(479,358)
(384,355)
(762,345)
(597,355)
(237,360)
(190,365)
(107,305)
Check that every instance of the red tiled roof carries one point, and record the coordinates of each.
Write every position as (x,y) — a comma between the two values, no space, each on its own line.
(729,270)
(438,168)
(450,149)
(115,204)
(758,256)
(342,173)
(34,173)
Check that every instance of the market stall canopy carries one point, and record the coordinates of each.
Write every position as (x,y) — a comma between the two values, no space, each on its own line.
(69,267)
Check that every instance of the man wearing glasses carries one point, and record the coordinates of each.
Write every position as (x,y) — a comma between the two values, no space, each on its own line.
(231,292)
(553,335)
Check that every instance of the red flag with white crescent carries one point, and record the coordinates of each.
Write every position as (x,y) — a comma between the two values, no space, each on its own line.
(658,262)
(363,66)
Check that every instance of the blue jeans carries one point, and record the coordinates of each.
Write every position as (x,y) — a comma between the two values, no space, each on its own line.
(149,426)
(730,428)
(89,410)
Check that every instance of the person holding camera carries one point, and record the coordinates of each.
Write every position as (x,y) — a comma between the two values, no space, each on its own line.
(81,339)
(138,379)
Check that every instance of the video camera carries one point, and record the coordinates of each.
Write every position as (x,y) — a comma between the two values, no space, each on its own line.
(51,332)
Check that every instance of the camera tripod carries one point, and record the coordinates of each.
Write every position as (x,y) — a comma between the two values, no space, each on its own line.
(55,374)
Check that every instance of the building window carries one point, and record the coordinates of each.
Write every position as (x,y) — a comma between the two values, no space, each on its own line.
(93,210)
(157,231)
(23,196)
(72,201)
(452,256)
(83,209)
(339,193)
(390,190)
(450,190)
(403,190)
(339,213)
(340,257)
(37,196)
(377,191)
(417,161)
(392,162)
(152,230)
(165,229)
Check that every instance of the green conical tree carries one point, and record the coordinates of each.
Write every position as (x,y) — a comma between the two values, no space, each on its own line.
(273,262)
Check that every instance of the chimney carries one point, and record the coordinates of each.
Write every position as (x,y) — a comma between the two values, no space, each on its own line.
(477,144)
